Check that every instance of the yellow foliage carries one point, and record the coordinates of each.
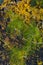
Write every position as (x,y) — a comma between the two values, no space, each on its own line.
(4,3)
(41,10)
(24,9)
(40,63)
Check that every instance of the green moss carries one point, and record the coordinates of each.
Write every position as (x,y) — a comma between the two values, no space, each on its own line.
(31,35)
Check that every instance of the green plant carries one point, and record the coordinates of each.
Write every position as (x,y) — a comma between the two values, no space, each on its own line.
(31,36)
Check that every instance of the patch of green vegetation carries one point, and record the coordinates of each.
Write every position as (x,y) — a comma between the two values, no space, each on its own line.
(36,2)
(41,3)
(33,3)
(31,35)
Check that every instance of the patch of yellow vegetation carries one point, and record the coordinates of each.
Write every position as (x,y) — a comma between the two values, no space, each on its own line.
(24,9)
(40,63)
(4,3)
